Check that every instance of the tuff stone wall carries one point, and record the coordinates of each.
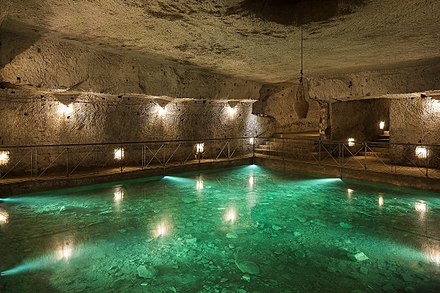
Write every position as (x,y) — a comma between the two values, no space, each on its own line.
(30,119)
(276,101)
(415,120)
(358,119)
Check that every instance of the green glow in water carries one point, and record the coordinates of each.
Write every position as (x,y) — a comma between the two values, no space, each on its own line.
(237,229)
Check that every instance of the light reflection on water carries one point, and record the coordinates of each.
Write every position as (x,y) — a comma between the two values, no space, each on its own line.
(299,232)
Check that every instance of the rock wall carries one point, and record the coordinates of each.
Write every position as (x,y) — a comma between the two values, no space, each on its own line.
(28,58)
(358,119)
(276,101)
(415,120)
(47,119)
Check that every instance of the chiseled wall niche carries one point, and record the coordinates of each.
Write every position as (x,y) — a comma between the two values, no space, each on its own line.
(414,131)
(359,119)
(277,101)
(90,118)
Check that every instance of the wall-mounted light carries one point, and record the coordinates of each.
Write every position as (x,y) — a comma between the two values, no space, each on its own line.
(4,157)
(161,106)
(200,148)
(119,154)
(66,110)
(351,142)
(65,251)
(251,140)
(422,152)
(382,125)
(232,108)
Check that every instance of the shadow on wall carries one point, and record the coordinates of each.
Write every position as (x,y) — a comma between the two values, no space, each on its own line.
(296,11)
(15,38)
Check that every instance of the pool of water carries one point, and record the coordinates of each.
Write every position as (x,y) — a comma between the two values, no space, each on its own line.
(245,229)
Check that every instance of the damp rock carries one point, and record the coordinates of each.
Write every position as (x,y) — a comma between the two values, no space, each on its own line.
(146,273)
(345,225)
(247,266)
(363,270)
(410,290)
(358,256)
(276,228)
(223,280)
(189,200)
(231,235)
(246,278)
(388,288)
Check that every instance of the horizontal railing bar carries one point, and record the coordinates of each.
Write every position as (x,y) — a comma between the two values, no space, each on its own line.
(121,143)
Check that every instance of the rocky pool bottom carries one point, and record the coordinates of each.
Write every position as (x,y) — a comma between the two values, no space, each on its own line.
(245,229)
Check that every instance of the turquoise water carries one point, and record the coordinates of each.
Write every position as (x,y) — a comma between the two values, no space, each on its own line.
(246,229)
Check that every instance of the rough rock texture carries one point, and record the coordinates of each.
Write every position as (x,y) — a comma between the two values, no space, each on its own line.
(255,40)
(32,119)
(415,120)
(358,119)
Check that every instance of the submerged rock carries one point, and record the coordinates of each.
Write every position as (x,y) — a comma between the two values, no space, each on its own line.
(231,235)
(276,228)
(358,256)
(247,266)
(146,273)
(345,225)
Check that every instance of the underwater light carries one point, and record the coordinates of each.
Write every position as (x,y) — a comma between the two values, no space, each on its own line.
(380,200)
(251,181)
(421,206)
(4,217)
(65,252)
(350,192)
(161,230)
(199,184)
(230,215)
(118,195)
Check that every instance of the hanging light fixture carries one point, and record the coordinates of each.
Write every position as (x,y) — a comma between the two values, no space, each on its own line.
(301,105)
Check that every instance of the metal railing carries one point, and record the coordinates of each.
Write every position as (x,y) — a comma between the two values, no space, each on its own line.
(37,161)
(395,158)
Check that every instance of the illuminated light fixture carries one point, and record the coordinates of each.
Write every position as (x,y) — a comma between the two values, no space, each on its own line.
(161,106)
(421,207)
(422,152)
(119,154)
(382,125)
(230,215)
(199,184)
(4,157)
(251,140)
(161,230)
(66,110)
(351,142)
(349,192)
(200,148)
(381,202)
(301,105)
(65,253)
(4,217)
(118,195)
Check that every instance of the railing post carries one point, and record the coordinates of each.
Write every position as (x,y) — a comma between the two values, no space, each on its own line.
(67,162)
(229,150)
(319,152)
(32,163)
(122,157)
(365,155)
